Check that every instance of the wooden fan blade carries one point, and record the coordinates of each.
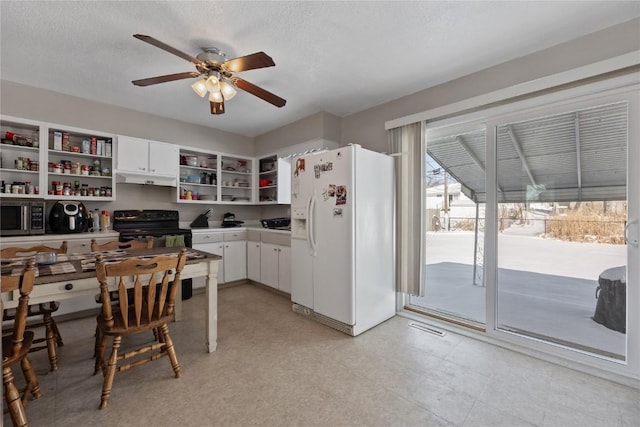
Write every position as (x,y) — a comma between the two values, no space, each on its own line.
(217,107)
(259,92)
(166,78)
(166,47)
(249,62)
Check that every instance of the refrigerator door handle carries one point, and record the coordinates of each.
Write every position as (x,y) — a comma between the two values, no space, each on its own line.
(311,225)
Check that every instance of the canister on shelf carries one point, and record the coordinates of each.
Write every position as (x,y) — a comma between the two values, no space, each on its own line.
(85,170)
(86,145)
(65,142)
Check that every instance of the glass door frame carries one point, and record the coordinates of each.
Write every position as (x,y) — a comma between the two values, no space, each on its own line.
(631,364)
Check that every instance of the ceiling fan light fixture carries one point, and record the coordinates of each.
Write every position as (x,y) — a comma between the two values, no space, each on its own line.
(216,96)
(227,90)
(200,87)
(212,84)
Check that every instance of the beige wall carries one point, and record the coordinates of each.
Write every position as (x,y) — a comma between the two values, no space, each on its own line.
(321,125)
(367,127)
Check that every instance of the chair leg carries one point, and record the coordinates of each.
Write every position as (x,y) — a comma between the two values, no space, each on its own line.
(171,351)
(12,396)
(102,348)
(110,373)
(51,341)
(33,387)
(96,346)
(56,331)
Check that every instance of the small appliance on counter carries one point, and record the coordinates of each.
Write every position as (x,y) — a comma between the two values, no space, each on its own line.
(229,220)
(202,220)
(282,223)
(68,217)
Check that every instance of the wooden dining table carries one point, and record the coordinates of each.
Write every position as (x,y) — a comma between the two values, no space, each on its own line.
(73,275)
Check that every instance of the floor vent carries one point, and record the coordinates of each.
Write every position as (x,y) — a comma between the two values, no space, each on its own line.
(425,328)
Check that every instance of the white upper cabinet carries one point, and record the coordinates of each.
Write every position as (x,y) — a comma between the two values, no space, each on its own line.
(142,161)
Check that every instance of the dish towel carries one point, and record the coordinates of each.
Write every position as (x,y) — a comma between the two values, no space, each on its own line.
(174,241)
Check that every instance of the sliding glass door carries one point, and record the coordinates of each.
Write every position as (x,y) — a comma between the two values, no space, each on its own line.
(562,211)
(531,225)
(454,212)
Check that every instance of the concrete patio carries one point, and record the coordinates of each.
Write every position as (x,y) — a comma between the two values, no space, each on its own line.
(546,288)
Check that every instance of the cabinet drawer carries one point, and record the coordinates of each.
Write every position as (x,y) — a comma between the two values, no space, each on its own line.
(253,235)
(232,236)
(276,238)
(201,238)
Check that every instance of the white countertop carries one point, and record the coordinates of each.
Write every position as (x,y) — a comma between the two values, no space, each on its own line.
(222,229)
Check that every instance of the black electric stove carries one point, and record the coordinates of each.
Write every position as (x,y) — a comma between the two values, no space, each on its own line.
(132,224)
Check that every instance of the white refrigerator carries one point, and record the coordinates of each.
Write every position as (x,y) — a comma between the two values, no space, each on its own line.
(342,204)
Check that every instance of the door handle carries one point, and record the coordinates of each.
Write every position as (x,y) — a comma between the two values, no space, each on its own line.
(633,241)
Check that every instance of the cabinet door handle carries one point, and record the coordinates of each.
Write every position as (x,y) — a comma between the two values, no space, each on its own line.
(68,286)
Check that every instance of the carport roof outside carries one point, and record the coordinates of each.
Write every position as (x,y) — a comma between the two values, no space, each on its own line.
(579,155)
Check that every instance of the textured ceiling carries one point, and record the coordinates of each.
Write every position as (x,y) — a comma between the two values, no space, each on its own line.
(339,57)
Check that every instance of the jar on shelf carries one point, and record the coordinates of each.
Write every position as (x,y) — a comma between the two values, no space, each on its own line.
(75,168)
(34,166)
(28,189)
(65,142)
(66,189)
(109,191)
(84,170)
(67,168)
(84,190)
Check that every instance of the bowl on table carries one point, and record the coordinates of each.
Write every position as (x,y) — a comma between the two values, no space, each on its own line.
(46,258)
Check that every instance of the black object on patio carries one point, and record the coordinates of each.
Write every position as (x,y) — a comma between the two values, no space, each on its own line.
(611,308)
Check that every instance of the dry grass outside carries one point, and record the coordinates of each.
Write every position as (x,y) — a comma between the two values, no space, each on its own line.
(467,224)
(592,222)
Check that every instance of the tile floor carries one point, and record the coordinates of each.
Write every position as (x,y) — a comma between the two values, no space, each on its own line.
(276,368)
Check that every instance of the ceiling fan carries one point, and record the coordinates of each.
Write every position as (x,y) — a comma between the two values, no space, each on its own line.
(217,74)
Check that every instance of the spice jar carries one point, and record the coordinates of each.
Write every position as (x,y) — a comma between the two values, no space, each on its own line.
(75,168)
(34,166)
(84,191)
(85,170)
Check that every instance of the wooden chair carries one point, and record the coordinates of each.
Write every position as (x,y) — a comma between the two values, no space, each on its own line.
(112,246)
(115,245)
(16,346)
(52,338)
(152,307)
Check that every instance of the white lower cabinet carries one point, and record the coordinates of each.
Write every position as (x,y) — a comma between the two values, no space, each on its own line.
(231,246)
(235,261)
(275,266)
(253,261)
